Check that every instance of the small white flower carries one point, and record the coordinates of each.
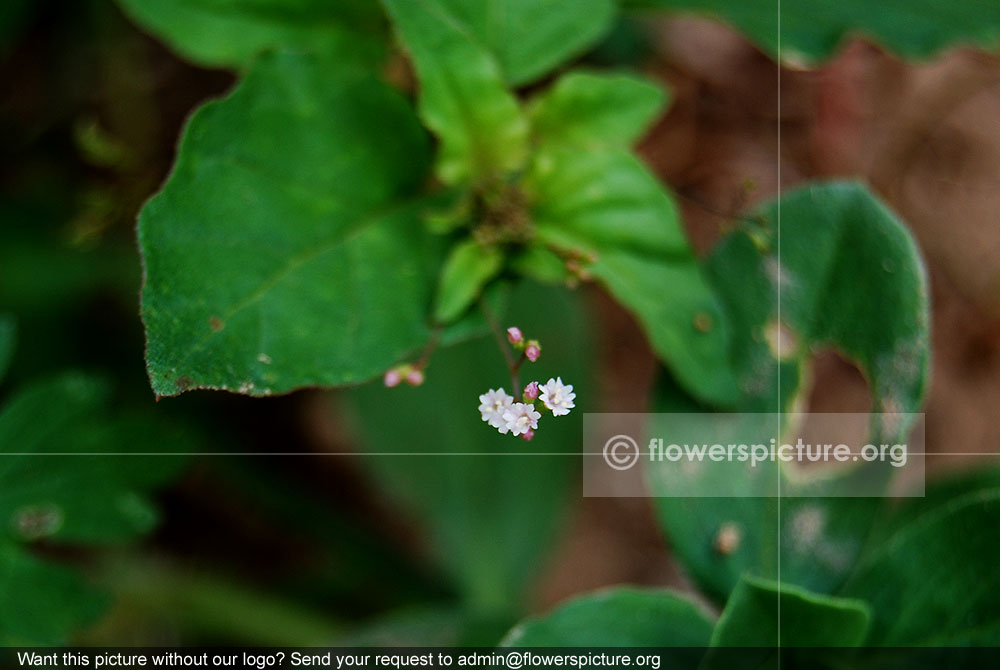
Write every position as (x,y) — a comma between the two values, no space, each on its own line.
(492,406)
(520,418)
(557,396)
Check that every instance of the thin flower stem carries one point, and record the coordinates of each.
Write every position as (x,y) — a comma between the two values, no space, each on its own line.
(432,344)
(513,365)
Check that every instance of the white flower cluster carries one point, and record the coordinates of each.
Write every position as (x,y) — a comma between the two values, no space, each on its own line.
(521,418)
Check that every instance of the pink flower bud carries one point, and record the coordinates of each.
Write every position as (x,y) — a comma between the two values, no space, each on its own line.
(392,378)
(514,335)
(531,391)
(527,435)
(532,351)
(415,377)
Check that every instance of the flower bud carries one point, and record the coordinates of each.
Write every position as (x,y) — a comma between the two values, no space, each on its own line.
(514,335)
(531,391)
(533,350)
(415,377)
(392,378)
(527,435)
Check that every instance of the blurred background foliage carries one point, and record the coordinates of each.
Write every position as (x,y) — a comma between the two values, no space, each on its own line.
(326,547)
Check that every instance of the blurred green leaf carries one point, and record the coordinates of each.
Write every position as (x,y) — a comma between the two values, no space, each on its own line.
(48,492)
(604,207)
(759,608)
(429,626)
(231,33)
(466,271)
(934,582)
(42,603)
(279,255)
(849,276)
(590,110)
(8,340)
(812,30)
(540,263)
(530,38)
(620,617)
(491,504)
(463,97)
(68,475)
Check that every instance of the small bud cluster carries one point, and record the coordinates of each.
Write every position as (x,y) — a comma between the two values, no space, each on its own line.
(518,416)
(531,348)
(408,372)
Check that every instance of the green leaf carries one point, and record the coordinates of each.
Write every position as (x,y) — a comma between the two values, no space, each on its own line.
(812,30)
(425,626)
(934,582)
(540,263)
(8,336)
(604,204)
(463,97)
(590,111)
(530,38)
(68,475)
(279,255)
(224,33)
(849,276)
(42,603)
(491,504)
(468,268)
(48,492)
(752,619)
(720,539)
(620,617)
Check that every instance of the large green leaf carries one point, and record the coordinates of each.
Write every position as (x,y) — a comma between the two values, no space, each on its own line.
(811,30)
(620,617)
(530,38)
(849,276)
(231,33)
(934,582)
(463,97)
(762,611)
(278,254)
(604,205)
(844,273)
(491,504)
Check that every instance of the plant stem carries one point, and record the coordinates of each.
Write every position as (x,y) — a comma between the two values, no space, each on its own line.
(513,365)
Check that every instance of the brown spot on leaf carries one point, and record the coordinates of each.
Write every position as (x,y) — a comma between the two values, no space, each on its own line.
(216,323)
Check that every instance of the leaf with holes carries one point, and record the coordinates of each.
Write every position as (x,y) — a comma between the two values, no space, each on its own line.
(849,276)
(282,251)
